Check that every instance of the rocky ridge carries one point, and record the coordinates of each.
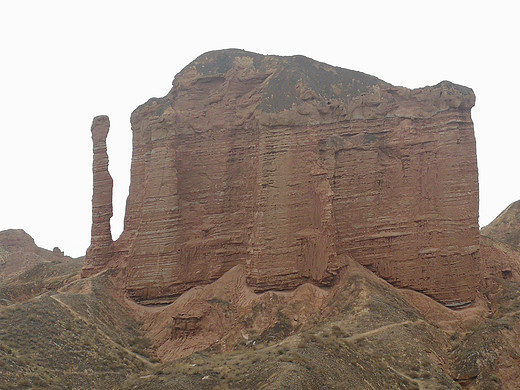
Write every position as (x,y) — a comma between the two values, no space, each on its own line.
(18,253)
(506,227)
(291,168)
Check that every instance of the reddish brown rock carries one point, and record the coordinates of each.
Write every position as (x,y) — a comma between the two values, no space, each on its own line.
(292,167)
(99,251)
(18,253)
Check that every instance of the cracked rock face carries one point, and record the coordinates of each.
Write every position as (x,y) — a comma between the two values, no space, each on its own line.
(291,167)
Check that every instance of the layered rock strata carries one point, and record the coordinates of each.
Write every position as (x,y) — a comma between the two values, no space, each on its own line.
(100,251)
(292,167)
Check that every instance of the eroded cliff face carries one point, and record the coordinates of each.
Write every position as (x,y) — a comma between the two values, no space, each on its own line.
(292,167)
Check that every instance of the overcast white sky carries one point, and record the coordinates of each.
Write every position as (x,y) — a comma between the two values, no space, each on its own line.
(63,62)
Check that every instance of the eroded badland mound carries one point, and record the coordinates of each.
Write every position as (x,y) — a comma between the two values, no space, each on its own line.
(506,227)
(290,225)
(18,253)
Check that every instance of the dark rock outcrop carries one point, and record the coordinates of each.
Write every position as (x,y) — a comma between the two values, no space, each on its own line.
(292,167)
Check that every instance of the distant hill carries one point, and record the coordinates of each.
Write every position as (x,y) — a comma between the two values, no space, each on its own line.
(18,253)
(27,270)
(506,227)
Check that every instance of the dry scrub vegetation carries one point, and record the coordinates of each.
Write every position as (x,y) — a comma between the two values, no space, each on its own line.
(75,334)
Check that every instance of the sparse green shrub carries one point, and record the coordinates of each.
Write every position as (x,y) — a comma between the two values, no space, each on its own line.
(286,358)
(337,331)
(455,336)
(25,383)
(426,375)
(414,386)
(140,345)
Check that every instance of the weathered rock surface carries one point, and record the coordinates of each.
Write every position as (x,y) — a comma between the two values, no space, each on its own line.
(291,167)
(18,253)
(99,251)
(506,227)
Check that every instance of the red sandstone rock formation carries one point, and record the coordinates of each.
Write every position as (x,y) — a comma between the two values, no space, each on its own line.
(99,251)
(292,167)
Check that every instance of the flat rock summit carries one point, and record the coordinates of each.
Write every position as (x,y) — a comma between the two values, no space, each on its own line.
(291,168)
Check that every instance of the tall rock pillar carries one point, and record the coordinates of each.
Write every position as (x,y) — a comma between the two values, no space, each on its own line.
(99,251)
